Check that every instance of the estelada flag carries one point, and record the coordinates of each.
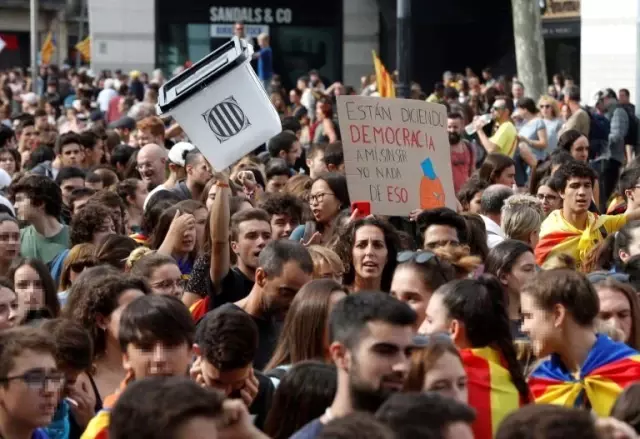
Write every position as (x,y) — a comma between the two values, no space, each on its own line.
(609,368)
(491,390)
(84,47)
(384,82)
(48,47)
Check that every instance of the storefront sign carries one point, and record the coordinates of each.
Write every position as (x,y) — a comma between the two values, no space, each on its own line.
(251,15)
(226,30)
(553,9)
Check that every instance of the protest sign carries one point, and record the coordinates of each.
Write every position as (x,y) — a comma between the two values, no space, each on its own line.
(396,154)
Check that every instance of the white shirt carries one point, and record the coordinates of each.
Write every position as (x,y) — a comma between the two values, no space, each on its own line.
(495,235)
(155,189)
(104,97)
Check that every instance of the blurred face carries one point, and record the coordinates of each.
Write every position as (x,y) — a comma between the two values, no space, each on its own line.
(111,324)
(437,317)
(95,155)
(8,308)
(199,172)
(103,231)
(144,137)
(68,186)
(157,359)
(323,202)
(282,225)
(8,163)
(316,164)
(518,91)
(29,289)
(79,203)
(279,291)
(9,241)
(72,155)
(29,137)
(507,177)
(294,98)
(31,400)
(438,235)
(634,246)
(615,309)
(238,30)
(378,365)
(546,109)
(294,154)
(540,326)
(448,378)
(253,236)
(407,287)
(25,210)
(229,382)
(523,270)
(151,168)
(369,253)
(578,194)
(550,199)
(276,183)
(580,149)
(474,205)
(167,280)
(499,110)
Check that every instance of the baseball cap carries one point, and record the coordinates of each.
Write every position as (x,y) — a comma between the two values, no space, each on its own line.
(124,122)
(30,98)
(179,151)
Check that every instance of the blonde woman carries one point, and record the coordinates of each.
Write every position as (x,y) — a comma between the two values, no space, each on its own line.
(522,216)
(326,263)
(550,113)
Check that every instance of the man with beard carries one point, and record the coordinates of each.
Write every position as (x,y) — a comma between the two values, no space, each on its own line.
(151,162)
(462,155)
(371,340)
(284,266)
(198,174)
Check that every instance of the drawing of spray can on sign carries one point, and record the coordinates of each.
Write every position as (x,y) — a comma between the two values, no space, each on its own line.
(431,190)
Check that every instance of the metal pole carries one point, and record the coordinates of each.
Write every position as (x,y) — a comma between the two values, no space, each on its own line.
(83,13)
(34,45)
(403,48)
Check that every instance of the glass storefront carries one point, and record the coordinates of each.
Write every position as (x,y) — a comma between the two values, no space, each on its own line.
(303,37)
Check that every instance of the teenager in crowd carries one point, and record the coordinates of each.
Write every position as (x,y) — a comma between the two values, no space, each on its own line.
(326,263)
(80,257)
(372,364)
(303,335)
(9,308)
(285,211)
(470,193)
(35,288)
(91,225)
(521,218)
(442,227)
(577,145)
(161,272)
(559,309)
(548,194)
(133,193)
(619,307)
(9,241)
(498,169)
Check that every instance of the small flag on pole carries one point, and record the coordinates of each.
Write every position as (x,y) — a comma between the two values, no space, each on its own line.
(84,47)
(48,47)
(384,82)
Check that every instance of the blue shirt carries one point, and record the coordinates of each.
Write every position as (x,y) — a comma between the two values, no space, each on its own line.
(265,64)
(310,431)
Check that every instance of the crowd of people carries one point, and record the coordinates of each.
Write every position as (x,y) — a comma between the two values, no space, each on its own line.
(144,294)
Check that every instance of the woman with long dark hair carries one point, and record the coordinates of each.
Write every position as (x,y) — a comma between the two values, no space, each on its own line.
(473,312)
(498,169)
(369,248)
(35,288)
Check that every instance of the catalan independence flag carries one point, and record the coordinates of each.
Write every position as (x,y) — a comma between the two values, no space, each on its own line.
(48,47)
(609,368)
(384,82)
(557,236)
(84,47)
(199,309)
(98,427)
(491,391)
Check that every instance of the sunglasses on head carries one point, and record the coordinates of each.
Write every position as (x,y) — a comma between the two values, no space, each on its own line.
(420,257)
(594,278)
(78,267)
(424,340)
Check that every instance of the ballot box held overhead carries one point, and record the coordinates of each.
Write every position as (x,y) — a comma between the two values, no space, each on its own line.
(221,105)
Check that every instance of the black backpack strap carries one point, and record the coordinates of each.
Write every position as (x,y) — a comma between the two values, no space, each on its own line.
(603,232)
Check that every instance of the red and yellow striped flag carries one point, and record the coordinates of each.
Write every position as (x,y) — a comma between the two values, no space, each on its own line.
(84,47)
(386,87)
(48,47)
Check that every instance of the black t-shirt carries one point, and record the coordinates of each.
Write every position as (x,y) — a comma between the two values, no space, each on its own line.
(262,403)
(234,286)
(268,333)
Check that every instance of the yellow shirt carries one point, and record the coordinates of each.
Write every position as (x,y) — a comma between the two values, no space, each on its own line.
(558,236)
(506,138)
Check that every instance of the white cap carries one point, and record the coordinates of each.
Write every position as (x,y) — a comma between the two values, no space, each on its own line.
(5,179)
(178,151)
(30,98)
(108,83)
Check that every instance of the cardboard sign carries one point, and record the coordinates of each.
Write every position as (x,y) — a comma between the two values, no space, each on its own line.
(396,154)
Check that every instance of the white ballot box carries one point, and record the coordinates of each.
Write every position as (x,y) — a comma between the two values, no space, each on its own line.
(221,105)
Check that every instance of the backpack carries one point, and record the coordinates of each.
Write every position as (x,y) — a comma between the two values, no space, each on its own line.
(632,133)
(599,129)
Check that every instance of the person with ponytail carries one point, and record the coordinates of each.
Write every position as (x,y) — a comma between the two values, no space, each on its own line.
(583,369)
(473,312)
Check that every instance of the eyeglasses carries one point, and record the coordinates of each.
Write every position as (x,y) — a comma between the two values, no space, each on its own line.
(437,244)
(318,198)
(498,108)
(79,267)
(420,257)
(168,284)
(38,379)
(543,197)
(595,278)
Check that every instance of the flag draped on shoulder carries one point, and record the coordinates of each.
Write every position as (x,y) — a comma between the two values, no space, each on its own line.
(384,82)
(491,390)
(609,368)
(84,47)
(48,47)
